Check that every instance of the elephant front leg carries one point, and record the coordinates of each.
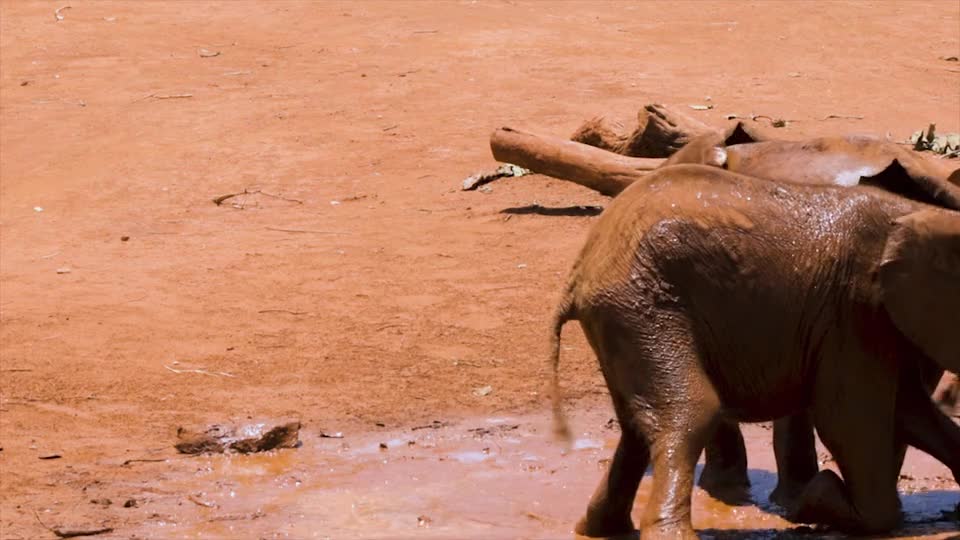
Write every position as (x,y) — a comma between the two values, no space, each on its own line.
(795,449)
(857,426)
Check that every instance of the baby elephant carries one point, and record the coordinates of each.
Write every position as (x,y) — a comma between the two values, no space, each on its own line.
(711,297)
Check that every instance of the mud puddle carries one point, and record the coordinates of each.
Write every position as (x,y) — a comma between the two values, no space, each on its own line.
(481,478)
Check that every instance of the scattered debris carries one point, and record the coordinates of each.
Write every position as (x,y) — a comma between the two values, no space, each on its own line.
(383,446)
(950,58)
(124,238)
(50,456)
(101,502)
(218,439)
(130,503)
(72,533)
(38,209)
(436,424)
(63,270)
(701,107)
(947,144)
(503,171)
(57,13)
(793,74)
(774,122)
(335,435)
(424,521)
(483,391)
(207,53)
(200,371)
(502,428)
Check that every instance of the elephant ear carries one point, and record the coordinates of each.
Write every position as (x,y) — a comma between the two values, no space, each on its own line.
(916,179)
(920,281)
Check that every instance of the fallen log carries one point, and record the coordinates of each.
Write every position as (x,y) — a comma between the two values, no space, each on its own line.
(603,171)
(660,132)
(843,161)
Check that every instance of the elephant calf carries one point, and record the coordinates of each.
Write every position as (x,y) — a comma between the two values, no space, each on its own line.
(712,297)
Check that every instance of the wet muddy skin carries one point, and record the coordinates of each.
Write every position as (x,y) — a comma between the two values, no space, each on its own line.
(476,478)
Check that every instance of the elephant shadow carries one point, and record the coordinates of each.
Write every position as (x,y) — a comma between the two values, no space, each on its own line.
(925,513)
(568,211)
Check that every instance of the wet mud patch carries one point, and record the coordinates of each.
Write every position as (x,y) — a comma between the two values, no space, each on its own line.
(479,478)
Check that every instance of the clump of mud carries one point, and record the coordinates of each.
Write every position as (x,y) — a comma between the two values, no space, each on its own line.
(218,439)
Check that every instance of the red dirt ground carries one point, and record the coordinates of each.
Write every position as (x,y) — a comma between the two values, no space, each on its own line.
(385,295)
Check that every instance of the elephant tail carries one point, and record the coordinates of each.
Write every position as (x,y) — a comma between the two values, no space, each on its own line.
(565,312)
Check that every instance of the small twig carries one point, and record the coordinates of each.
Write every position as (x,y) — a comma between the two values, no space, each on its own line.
(15,370)
(71,533)
(198,502)
(284,311)
(298,201)
(219,200)
(165,96)
(56,13)
(425,31)
(842,117)
(49,255)
(305,231)
(200,371)
(129,461)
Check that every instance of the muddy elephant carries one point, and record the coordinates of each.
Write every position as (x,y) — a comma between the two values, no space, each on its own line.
(710,297)
(841,161)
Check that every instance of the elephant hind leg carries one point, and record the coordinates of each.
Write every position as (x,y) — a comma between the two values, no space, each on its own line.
(608,513)
(724,473)
(675,448)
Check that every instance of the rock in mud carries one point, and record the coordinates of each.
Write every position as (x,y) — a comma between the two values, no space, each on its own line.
(219,439)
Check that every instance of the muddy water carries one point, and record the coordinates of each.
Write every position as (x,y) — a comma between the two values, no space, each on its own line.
(482,478)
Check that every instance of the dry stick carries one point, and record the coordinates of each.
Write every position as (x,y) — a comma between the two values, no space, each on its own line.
(72,533)
(219,200)
(284,311)
(306,231)
(599,170)
(200,371)
(842,116)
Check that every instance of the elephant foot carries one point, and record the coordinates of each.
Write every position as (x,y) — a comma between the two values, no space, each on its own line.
(729,485)
(787,492)
(825,501)
(596,525)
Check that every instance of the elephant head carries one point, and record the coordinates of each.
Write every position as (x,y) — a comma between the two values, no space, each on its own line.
(920,282)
